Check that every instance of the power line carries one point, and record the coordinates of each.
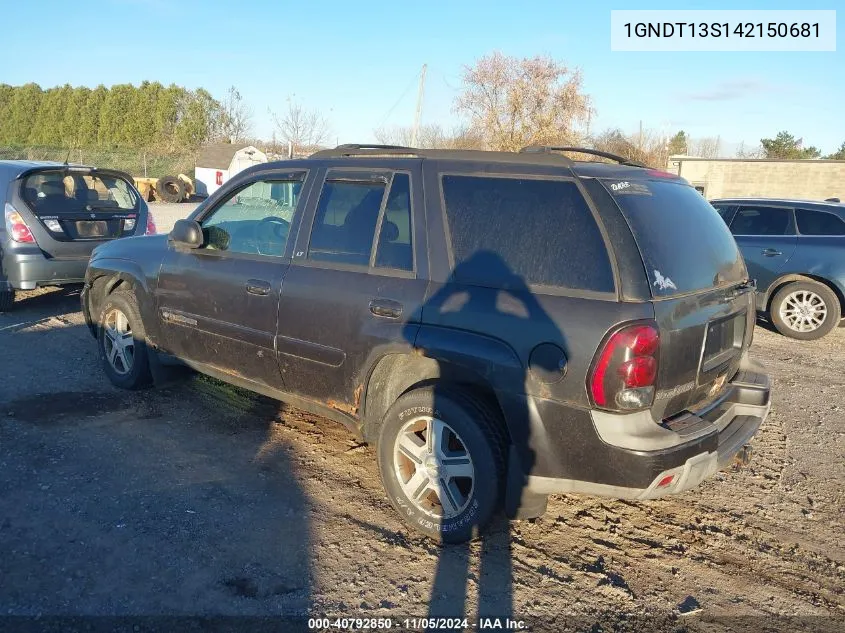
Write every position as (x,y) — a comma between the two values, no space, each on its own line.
(399,100)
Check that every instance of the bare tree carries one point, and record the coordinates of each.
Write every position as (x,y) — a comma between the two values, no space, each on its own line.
(651,148)
(235,117)
(706,147)
(431,136)
(514,102)
(753,152)
(304,129)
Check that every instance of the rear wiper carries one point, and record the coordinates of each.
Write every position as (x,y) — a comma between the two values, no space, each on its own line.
(739,289)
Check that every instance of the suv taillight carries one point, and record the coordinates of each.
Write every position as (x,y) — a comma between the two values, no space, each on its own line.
(625,370)
(151,225)
(16,227)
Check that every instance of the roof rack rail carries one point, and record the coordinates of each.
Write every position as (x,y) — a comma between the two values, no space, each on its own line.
(549,149)
(358,149)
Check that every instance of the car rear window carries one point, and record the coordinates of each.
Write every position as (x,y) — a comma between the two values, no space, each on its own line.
(57,192)
(542,230)
(685,245)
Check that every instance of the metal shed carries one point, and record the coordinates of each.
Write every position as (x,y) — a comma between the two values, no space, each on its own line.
(219,162)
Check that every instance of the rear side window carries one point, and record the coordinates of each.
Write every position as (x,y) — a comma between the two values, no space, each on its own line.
(685,245)
(542,230)
(354,207)
(58,192)
(394,246)
(762,221)
(818,223)
(345,224)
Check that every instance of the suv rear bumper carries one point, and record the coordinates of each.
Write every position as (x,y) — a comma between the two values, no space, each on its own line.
(585,464)
(26,271)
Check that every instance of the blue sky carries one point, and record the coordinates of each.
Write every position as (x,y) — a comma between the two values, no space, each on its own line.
(358,61)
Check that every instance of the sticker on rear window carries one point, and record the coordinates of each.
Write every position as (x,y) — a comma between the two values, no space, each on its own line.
(663,283)
(626,187)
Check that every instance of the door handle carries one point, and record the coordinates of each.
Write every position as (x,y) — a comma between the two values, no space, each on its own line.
(385,308)
(257,287)
(771,252)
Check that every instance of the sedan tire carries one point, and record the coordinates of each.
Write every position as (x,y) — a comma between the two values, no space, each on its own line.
(805,310)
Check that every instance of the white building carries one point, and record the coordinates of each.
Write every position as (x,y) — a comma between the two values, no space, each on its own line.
(217,163)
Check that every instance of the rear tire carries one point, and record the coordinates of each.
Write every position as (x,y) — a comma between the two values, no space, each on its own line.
(170,189)
(121,340)
(805,310)
(449,489)
(7,300)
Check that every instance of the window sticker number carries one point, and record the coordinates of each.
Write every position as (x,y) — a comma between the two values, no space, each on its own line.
(619,186)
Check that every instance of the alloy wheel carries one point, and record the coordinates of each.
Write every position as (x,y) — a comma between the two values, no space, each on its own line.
(118,343)
(433,467)
(803,311)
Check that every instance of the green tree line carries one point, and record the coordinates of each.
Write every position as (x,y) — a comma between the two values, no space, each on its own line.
(150,116)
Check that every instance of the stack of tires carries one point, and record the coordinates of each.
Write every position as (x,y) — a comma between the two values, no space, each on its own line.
(171,189)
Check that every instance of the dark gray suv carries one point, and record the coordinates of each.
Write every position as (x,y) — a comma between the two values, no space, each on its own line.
(54,215)
(502,326)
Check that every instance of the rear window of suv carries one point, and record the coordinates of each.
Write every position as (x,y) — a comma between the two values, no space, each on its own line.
(685,245)
(57,192)
(542,230)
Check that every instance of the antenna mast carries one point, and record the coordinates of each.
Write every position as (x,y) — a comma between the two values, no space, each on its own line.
(415,132)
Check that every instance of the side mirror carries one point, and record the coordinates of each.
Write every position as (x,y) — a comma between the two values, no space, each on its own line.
(186,233)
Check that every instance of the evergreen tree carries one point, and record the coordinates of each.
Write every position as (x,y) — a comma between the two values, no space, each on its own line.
(89,127)
(23,111)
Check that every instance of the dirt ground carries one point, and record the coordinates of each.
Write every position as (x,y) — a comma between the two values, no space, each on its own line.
(196,500)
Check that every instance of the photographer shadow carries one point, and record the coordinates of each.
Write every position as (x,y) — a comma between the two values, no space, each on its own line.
(507,312)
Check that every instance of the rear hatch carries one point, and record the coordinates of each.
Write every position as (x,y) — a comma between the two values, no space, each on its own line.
(73,209)
(703,299)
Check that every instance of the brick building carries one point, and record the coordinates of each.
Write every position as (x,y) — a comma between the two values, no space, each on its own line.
(740,177)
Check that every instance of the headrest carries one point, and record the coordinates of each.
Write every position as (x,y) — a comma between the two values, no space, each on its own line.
(389,231)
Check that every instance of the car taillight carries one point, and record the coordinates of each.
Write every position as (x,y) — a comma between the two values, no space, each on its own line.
(16,227)
(625,370)
(151,225)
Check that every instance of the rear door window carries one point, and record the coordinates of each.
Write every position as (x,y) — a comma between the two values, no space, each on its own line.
(540,230)
(345,223)
(685,245)
(818,223)
(58,192)
(760,220)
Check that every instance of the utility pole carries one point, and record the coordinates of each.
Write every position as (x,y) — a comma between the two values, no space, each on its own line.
(415,132)
(641,136)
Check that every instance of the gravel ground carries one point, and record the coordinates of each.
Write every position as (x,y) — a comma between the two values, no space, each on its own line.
(195,499)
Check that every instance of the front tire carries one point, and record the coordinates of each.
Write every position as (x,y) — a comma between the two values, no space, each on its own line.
(441,455)
(122,342)
(805,310)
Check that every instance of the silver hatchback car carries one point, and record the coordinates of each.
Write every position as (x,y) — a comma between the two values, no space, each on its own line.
(54,216)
